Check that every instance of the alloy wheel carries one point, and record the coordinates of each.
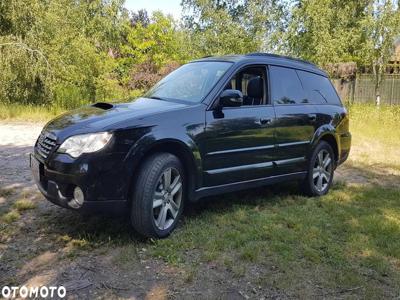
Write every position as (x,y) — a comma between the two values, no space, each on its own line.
(322,171)
(167,198)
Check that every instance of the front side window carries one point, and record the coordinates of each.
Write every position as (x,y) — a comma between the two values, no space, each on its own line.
(286,87)
(252,83)
(190,83)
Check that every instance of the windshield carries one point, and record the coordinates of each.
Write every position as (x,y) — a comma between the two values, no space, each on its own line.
(191,82)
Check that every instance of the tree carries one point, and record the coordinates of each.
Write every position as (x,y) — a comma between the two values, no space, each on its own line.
(327,31)
(56,50)
(150,45)
(141,16)
(333,31)
(232,26)
(381,27)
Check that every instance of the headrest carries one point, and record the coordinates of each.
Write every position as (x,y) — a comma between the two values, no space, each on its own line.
(255,87)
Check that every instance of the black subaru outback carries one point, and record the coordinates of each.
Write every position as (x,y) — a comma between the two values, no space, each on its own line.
(215,125)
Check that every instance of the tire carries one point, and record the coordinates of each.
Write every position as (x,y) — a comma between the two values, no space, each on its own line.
(158,196)
(320,173)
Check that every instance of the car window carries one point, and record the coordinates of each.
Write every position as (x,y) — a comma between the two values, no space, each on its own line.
(286,87)
(191,82)
(319,88)
(251,82)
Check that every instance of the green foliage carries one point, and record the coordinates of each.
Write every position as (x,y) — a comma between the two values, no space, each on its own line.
(381,26)
(10,217)
(332,31)
(232,27)
(64,54)
(156,42)
(326,31)
(150,45)
(24,204)
(58,52)
(25,72)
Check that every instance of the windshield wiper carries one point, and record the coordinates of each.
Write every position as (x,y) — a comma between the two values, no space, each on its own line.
(157,98)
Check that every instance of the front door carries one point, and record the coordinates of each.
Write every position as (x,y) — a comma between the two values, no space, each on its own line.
(238,144)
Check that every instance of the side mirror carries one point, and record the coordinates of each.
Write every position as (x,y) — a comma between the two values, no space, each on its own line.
(231,98)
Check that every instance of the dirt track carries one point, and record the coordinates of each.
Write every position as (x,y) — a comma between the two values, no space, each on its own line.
(16,142)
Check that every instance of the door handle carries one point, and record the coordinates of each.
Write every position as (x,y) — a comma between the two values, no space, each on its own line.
(264,121)
(312,117)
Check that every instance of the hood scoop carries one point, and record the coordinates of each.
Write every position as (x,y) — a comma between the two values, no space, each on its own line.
(103,105)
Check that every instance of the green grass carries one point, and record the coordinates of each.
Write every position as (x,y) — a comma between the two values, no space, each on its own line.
(10,217)
(24,204)
(65,102)
(17,112)
(351,231)
(376,135)
(347,239)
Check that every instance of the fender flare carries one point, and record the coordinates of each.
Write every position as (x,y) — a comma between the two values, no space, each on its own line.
(152,142)
(326,132)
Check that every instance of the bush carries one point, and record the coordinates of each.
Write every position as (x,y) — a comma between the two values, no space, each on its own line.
(146,74)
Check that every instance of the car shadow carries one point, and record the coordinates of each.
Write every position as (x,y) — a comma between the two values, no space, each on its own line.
(248,197)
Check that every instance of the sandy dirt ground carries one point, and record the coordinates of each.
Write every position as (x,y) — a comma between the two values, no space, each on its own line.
(16,142)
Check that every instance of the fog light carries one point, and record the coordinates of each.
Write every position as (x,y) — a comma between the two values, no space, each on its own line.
(78,199)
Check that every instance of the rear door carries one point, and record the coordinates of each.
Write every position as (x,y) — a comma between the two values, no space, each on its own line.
(295,120)
(238,144)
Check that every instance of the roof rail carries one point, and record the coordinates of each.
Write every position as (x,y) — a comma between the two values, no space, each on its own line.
(280,56)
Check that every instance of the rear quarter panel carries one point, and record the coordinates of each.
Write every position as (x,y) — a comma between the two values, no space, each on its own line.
(334,119)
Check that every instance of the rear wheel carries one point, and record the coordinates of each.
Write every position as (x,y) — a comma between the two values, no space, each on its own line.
(320,171)
(158,197)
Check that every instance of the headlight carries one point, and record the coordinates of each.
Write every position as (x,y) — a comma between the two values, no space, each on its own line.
(85,143)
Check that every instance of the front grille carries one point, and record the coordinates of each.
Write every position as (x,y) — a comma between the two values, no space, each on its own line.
(45,143)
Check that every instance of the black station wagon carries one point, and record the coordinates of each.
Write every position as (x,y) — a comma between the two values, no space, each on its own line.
(215,125)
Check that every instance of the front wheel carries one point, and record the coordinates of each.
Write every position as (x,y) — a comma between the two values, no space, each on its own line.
(157,202)
(320,171)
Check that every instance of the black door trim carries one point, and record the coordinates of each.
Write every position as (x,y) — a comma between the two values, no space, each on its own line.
(243,185)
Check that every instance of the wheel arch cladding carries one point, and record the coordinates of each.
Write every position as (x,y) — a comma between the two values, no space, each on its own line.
(331,140)
(182,151)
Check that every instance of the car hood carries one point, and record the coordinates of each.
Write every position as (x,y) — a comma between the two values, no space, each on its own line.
(105,116)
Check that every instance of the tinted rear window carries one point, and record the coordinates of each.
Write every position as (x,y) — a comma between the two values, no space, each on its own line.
(286,87)
(319,89)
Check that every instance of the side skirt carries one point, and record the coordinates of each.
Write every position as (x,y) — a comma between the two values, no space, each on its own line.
(243,185)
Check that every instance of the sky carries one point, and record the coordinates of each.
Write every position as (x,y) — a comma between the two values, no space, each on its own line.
(172,7)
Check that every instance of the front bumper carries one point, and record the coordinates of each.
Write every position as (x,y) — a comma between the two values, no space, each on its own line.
(57,184)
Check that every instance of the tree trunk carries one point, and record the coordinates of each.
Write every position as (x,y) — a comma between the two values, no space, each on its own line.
(377,69)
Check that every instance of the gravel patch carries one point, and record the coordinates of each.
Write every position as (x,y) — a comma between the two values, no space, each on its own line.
(16,142)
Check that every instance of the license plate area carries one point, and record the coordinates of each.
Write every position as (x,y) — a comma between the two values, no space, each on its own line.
(37,168)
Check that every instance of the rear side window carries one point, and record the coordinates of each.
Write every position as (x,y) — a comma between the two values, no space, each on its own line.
(286,87)
(319,89)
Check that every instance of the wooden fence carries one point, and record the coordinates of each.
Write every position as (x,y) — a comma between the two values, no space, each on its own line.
(362,89)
